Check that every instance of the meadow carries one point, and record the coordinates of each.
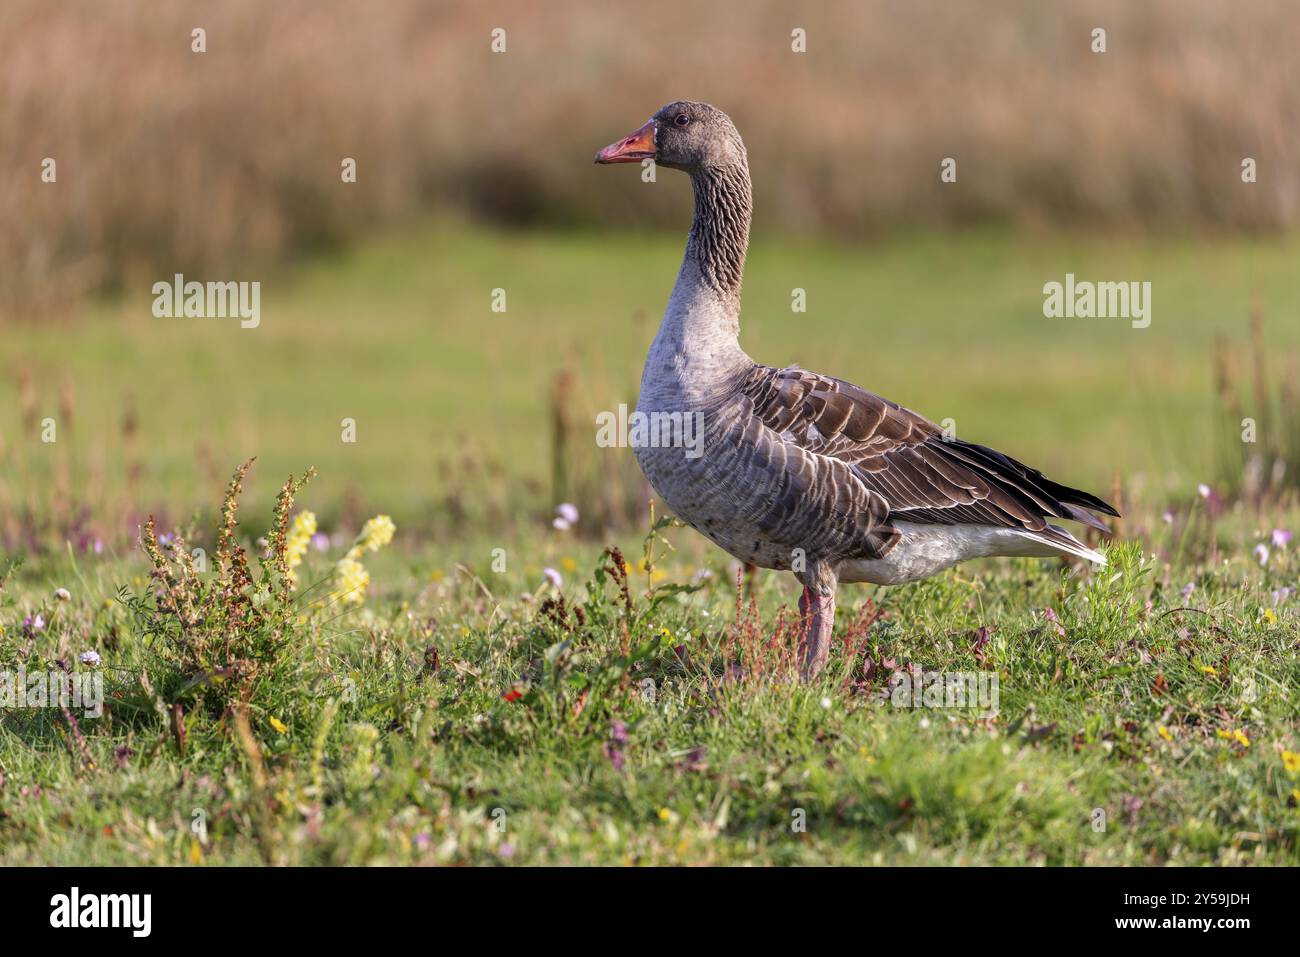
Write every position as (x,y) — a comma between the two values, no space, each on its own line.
(509,691)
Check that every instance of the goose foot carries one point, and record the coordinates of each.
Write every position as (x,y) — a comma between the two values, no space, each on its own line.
(817,617)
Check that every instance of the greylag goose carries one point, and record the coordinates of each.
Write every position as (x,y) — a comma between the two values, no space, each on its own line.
(803,471)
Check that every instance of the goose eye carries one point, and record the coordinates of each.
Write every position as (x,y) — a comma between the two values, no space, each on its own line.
(682,119)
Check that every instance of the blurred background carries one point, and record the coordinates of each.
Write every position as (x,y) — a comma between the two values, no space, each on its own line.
(474,173)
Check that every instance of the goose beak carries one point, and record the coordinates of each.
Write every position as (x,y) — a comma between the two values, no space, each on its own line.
(632,148)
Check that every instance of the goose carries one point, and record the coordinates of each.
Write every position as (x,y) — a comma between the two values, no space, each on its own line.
(801,471)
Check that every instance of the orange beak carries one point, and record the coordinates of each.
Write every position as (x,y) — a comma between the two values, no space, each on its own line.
(632,148)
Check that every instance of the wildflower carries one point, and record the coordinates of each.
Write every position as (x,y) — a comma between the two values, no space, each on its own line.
(350,581)
(1164,733)
(514,694)
(1209,670)
(376,533)
(90,658)
(320,541)
(553,577)
(1291,761)
(1187,590)
(278,724)
(506,850)
(1281,538)
(62,594)
(1240,737)
(33,624)
(613,748)
(300,536)
(665,814)
(568,564)
(1261,553)
(566,516)
(1269,616)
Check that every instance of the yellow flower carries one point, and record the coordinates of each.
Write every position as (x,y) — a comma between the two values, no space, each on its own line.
(278,724)
(1164,733)
(350,581)
(1270,616)
(376,533)
(299,537)
(437,575)
(568,564)
(1240,737)
(1209,671)
(665,814)
(1291,761)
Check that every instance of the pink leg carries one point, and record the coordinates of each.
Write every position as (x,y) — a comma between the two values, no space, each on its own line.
(817,614)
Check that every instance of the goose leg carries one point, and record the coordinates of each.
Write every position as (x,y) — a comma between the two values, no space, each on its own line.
(817,615)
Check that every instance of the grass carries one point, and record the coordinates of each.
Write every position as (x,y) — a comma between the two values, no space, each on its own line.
(843,139)
(451,400)
(465,715)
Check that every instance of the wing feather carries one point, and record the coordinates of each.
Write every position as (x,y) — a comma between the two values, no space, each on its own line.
(905,460)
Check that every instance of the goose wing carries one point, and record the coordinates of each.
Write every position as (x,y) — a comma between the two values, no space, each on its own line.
(907,461)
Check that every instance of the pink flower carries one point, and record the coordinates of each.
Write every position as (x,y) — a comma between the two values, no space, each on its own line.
(1261,553)
(566,516)
(1281,537)
(553,577)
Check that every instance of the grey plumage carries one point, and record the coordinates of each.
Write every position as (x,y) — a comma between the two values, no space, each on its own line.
(803,471)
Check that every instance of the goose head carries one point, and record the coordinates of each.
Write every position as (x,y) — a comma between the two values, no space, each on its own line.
(683,135)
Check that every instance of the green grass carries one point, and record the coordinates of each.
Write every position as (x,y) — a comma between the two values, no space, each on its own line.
(399,335)
(388,757)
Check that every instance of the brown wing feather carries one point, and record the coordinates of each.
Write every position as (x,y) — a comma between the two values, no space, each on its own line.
(905,459)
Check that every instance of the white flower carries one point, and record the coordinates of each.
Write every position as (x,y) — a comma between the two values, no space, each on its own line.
(62,594)
(90,658)
(560,524)
(568,512)
(553,577)
(1261,553)
(826,704)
